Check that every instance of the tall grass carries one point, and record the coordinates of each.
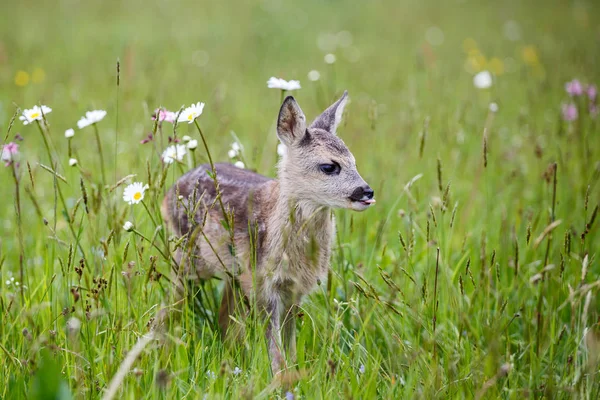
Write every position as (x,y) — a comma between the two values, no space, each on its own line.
(476,274)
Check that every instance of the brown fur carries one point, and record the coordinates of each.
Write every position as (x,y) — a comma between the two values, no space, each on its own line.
(283,229)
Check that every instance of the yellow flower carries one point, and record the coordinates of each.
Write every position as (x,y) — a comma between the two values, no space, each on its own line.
(469,44)
(530,55)
(476,63)
(38,75)
(496,65)
(21,78)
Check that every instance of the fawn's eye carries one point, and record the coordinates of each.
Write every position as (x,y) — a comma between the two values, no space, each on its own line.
(330,169)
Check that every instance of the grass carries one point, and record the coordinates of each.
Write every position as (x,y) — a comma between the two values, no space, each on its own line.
(476,274)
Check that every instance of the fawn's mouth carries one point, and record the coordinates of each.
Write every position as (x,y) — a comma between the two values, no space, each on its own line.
(367,202)
(362,204)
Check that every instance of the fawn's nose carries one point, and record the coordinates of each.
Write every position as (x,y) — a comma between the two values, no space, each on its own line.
(361,192)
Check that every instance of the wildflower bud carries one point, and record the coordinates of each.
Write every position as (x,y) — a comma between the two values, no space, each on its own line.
(69,133)
(72,162)
(232,153)
(493,107)
(186,138)
(192,144)
(239,164)
(128,226)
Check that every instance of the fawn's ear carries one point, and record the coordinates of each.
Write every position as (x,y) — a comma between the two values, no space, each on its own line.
(291,124)
(331,117)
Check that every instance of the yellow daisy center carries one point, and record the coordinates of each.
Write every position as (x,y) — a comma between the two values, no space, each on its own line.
(35,115)
(137,196)
(190,117)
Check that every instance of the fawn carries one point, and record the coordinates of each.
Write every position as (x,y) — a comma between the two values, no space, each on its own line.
(283,228)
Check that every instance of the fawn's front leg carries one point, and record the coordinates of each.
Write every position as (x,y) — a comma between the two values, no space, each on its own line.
(289,332)
(273,311)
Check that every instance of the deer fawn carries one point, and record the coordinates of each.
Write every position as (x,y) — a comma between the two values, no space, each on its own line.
(283,228)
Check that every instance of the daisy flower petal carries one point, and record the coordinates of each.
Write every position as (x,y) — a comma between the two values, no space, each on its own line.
(134,193)
(192,112)
(174,153)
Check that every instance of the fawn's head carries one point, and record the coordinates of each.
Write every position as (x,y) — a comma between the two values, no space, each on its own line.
(317,166)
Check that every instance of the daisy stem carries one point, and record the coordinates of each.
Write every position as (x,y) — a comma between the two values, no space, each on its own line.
(55,166)
(20,226)
(214,171)
(149,213)
(45,142)
(100,153)
(151,243)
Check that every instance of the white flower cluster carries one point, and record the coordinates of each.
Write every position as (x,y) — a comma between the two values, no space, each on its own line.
(12,281)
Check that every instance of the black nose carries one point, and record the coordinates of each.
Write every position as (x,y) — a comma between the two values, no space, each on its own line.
(361,192)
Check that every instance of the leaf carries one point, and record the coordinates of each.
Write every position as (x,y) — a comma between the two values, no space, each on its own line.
(48,383)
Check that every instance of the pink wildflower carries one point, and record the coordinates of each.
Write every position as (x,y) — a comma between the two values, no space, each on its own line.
(592,92)
(594,110)
(569,112)
(164,115)
(9,153)
(574,88)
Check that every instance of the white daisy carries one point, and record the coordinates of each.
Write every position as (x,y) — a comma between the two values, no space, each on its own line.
(174,153)
(278,83)
(72,162)
(281,149)
(69,133)
(128,226)
(239,164)
(192,144)
(482,80)
(91,117)
(34,114)
(191,113)
(134,193)
(314,75)
(329,58)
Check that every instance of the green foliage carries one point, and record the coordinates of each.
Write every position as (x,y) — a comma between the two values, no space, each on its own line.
(47,382)
(475,275)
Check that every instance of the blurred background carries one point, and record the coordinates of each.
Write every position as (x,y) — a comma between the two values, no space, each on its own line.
(403,62)
(465,97)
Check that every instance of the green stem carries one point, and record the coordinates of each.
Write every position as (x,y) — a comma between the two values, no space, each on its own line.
(100,153)
(214,171)
(46,144)
(151,243)
(149,214)
(20,229)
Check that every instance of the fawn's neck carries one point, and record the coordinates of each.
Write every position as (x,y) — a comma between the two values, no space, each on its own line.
(296,223)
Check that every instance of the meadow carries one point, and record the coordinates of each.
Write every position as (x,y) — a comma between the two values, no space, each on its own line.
(475,275)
